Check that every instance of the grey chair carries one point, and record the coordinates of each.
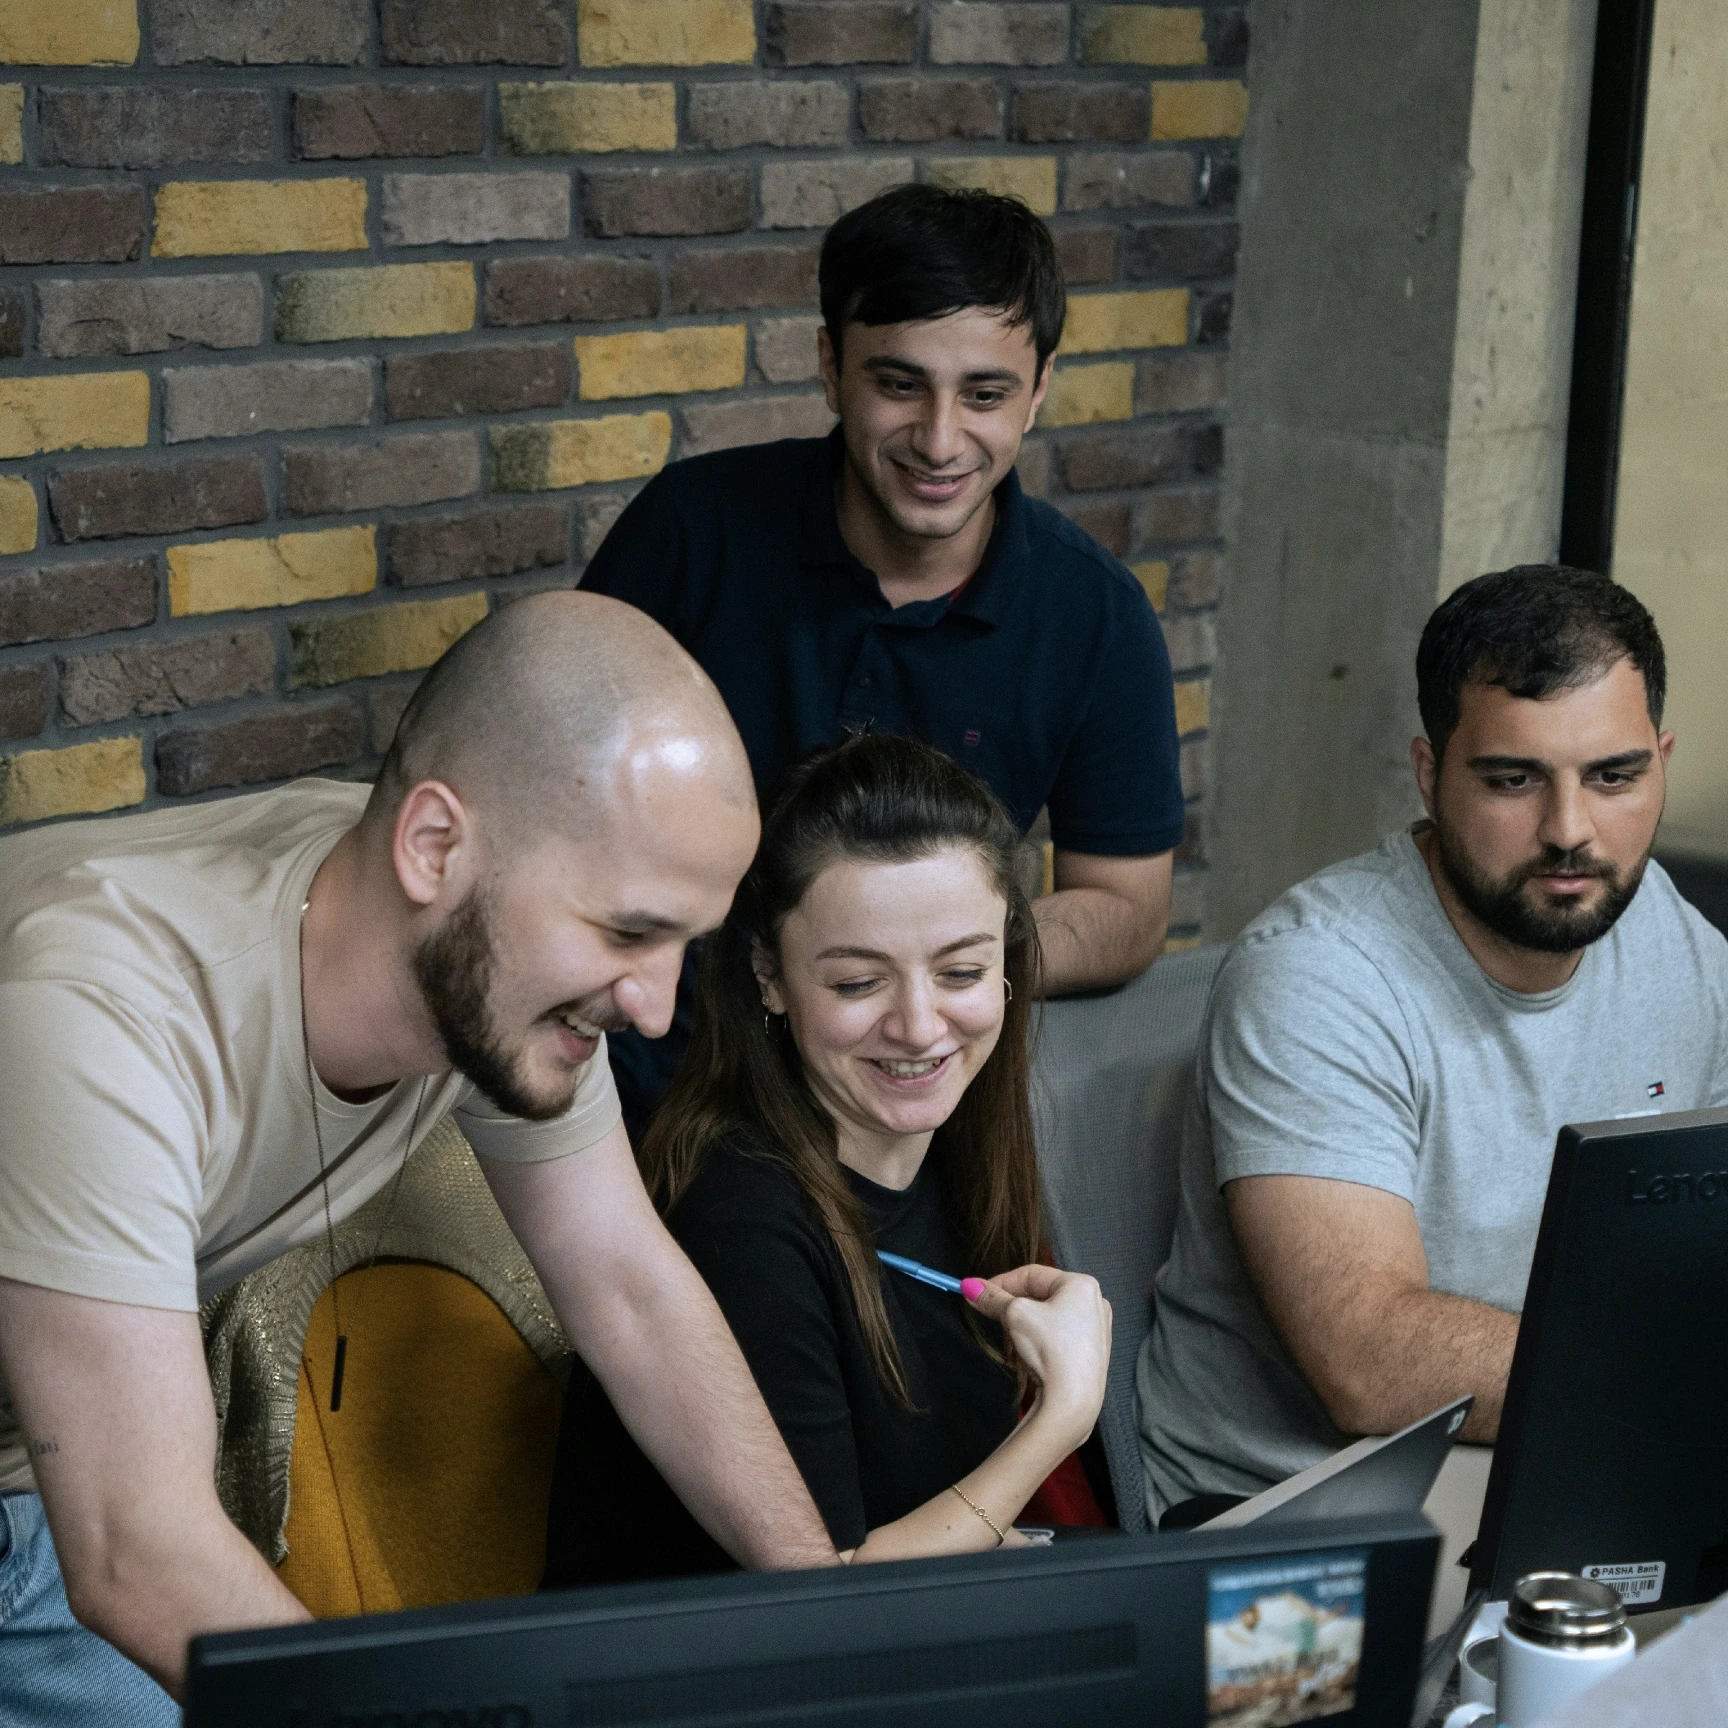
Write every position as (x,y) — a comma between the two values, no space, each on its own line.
(1110,1079)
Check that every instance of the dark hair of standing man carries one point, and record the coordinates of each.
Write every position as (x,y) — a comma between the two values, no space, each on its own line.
(1534,630)
(919,252)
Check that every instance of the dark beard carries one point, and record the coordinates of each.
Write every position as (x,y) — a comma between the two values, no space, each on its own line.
(1502,906)
(454,967)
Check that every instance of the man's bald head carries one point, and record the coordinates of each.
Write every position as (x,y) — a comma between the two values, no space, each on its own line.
(544,713)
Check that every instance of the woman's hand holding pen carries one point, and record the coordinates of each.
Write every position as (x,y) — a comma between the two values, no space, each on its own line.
(1058,1324)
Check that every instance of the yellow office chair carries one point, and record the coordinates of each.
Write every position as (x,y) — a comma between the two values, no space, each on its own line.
(430,1484)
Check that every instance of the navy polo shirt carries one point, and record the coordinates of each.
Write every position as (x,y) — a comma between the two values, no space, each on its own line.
(1046,674)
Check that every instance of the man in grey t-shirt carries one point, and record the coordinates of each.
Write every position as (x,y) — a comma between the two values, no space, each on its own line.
(1392,1047)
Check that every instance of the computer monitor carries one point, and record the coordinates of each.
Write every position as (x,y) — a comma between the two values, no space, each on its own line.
(1198,1630)
(1612,1459)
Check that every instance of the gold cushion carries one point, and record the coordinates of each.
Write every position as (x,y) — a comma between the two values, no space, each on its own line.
(431,1483)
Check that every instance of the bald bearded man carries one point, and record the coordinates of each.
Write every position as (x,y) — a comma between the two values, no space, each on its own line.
(222,1027)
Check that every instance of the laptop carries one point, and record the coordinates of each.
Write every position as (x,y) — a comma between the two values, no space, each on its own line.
(1383,1473)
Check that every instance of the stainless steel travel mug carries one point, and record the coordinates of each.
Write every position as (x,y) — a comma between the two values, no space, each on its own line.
(1562,1635)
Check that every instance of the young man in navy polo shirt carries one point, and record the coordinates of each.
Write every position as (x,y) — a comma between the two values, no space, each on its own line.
(894,576)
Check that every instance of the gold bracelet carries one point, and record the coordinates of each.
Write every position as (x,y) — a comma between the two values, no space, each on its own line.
(1001,1534)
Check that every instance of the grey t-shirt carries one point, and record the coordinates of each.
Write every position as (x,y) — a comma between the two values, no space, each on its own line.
(1351,1035)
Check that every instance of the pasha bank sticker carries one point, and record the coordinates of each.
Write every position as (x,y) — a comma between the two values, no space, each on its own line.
(1284,1639)
(1638,1581)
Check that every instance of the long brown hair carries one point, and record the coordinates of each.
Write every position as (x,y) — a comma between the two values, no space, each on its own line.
(882,800)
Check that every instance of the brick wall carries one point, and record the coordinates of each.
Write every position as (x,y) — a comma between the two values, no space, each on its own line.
(327,324)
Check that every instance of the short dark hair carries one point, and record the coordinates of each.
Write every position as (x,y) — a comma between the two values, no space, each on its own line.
(1533,630)
(918,252)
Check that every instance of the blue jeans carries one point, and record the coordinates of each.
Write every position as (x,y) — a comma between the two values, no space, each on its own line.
(54,1673)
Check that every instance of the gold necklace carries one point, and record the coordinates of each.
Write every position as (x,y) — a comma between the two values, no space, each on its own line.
(341,1362)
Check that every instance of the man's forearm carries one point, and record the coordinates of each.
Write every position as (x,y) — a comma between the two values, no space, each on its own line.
(1093,938)
(678,1380)
(150,1591)
(1422,1350)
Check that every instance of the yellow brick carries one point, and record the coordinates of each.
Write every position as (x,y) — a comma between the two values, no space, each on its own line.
(399,638)
(660,362)
(206,218)
(235,575)
(103,775)
(1202,108)
(1193,706)
(384,300)
(68,32)
(549,119)
(11,122)
(1155,579)
(74,411)
(665,32)
(1138,318)
(1080,394)
(554,453)
(1031,179)
(1142,36)
(17,516)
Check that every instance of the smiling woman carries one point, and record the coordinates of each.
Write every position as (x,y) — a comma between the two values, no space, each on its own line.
(857,1085)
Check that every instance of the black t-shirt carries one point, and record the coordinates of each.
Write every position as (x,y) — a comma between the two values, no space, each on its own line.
(1046,675)
(783,1288)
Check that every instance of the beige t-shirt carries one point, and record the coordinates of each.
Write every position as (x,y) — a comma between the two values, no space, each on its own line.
(156,1132)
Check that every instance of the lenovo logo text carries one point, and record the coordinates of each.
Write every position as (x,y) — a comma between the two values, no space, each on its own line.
(1680,1188)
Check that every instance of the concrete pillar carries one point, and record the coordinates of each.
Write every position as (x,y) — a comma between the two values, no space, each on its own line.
(1412,176)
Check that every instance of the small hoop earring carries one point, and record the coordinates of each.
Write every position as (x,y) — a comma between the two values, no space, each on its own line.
(1008,985)
(766,1017)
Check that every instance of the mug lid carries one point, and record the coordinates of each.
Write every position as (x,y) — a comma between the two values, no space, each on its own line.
(1559,1608)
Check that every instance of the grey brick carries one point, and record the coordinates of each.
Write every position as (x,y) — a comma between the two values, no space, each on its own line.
(274,396)
(1179,251)
(163,677)
(974,33)
(1177,383)
(1110,524)
(722,425)
(473,32)
(1087,254)
(137,126)
(387,707)
(259,32)
(570,290)
(1192,640)
(23,701)
(351,121)
(474,209)
(1033,466)
(1126,181)
(1194,768)
(1137,456)
(276,746)
(666,201)
(63,600)
(416,468)
(129,315)
(485,544)
(1193,580)
(594,519)
(1082,113)
(921,110)
(740,278)
(732,116)
(840,32)
(494,380)
(12,316)
(1185,515)
(71,224)
(786,349)
(814,194)
(118,498)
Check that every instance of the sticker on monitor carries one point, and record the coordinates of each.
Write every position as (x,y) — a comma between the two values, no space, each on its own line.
(1284,1639)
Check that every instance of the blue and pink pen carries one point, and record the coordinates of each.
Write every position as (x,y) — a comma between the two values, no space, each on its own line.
(970,1288)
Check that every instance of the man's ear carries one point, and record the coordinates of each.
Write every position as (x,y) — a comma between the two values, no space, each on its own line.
(1039,394)
(1427,770)
(434,834)
(762,964)
(828,365)
(1664,746)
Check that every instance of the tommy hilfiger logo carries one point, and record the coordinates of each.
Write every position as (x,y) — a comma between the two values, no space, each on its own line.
(1654,1090)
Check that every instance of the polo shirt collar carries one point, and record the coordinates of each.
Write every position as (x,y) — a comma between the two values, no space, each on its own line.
(995,587)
